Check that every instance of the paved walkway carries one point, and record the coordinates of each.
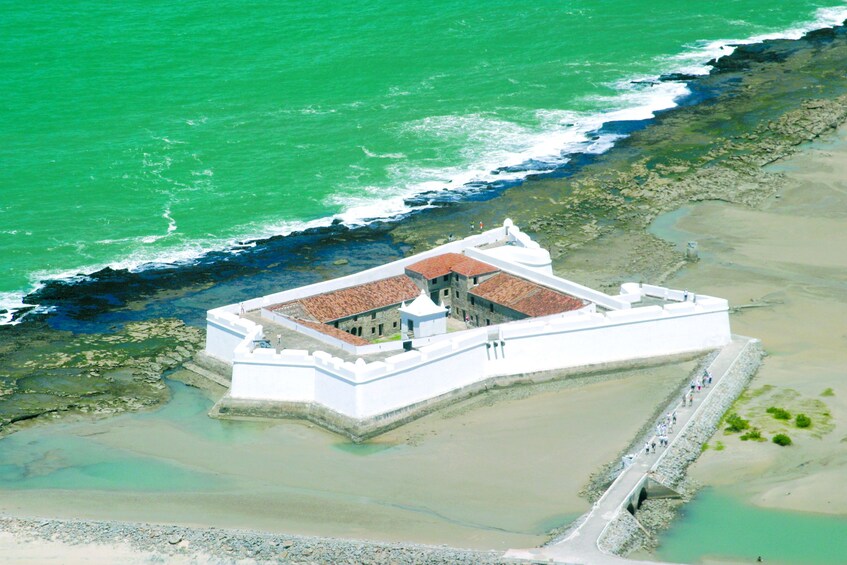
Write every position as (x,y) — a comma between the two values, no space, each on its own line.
(581,545)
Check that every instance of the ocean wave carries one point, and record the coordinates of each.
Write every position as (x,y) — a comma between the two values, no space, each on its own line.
(497,150)
(694,59)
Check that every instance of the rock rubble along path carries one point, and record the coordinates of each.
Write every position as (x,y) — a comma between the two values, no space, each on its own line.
(583,543)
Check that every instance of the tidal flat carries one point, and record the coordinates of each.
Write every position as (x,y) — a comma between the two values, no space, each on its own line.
(725,159)
(497,471)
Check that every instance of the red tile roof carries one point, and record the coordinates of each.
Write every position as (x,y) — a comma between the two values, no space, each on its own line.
(446,263)
(525,296)
(351,301)
(332,331)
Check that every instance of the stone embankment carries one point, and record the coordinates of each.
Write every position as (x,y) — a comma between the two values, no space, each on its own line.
(627,532)
(689,442)
(215,545)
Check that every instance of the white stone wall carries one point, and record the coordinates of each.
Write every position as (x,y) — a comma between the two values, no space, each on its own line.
(444,363)
(593,338)
(225,331)
(574,339)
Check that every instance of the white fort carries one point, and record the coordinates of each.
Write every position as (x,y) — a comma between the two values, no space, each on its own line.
(366,351)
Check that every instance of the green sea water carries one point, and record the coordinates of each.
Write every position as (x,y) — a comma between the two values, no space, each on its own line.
(154,131)
(719,527)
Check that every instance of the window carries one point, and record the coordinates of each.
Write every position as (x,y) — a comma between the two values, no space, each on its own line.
(491,307)
(355,318)
(336,324)
(380,329)
(473,303)
(373,316)
(433,281)
(446,278)
(457,294)
(446,292)
(373,331)
(394,325)
(455,277)
(487,322)
(475,280)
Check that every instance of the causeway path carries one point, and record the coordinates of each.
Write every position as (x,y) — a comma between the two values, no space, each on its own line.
(581,546)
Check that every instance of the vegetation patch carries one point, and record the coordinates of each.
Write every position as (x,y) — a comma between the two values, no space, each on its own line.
(754,434)
(719,446)
(779,413)
(802,421)
(773,409)
(782,440)
(736,423)
(828,392)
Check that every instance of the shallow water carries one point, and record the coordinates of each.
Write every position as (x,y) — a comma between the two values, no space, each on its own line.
(717,527)
(497,471)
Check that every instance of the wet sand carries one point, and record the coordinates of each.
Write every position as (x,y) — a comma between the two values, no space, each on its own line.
(497,471)
(789,255)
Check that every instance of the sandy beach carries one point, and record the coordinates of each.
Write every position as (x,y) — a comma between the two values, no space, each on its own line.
(789,256)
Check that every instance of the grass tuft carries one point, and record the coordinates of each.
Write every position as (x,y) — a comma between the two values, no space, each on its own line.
(779,413)
(782,440)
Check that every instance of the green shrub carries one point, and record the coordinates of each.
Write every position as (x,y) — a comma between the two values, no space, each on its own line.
(754,434)
(779,413)
(782,439)
(802,421)
(736,423)
(719,446)
(828,392)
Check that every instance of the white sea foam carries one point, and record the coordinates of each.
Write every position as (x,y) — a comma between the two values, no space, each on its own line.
(693,60)
(492,145)
(373,155)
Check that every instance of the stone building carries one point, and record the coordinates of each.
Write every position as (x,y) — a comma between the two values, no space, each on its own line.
(367,311)
(448,278)
(452,283)
(505,298)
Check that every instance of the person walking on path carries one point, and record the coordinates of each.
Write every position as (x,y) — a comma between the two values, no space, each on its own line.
(647,448)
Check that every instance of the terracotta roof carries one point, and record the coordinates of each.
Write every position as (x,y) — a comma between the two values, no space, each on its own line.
(332,331)
(353,300)
(446,263)
(472,268)
(525,296)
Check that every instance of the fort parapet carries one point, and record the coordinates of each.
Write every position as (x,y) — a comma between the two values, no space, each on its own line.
(361,388)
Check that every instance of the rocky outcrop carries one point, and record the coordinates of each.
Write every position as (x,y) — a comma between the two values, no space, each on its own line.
(50,373)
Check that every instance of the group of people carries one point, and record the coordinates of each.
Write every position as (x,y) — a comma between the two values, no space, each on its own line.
(665,426)
(663,430)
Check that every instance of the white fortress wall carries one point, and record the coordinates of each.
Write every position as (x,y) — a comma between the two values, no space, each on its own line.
(444,363)
(267,375)
(621,335)
(439,369)
(571,339)
(225,331)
